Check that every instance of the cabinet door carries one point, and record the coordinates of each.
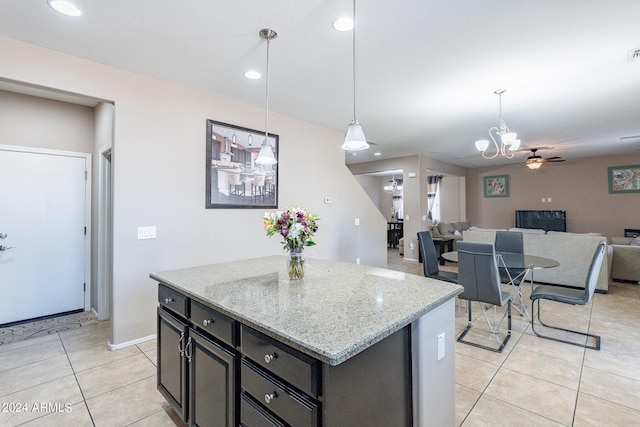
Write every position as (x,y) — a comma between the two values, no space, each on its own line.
(213,387)
(172,372)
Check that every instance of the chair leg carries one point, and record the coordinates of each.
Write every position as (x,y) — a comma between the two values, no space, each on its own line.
(533,328)
(504,342)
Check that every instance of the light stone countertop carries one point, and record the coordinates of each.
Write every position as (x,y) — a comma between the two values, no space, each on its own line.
(335,312)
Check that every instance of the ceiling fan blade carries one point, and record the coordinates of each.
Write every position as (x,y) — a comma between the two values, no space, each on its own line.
(553,158)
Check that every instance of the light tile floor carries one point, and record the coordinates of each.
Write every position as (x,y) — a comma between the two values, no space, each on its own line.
(71,379)
(538,382)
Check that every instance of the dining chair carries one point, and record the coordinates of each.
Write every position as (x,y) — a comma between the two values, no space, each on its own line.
(478,274)
(570,296)
(510,242)
(430,259)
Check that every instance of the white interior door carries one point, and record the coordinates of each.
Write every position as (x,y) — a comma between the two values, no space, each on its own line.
(43,200)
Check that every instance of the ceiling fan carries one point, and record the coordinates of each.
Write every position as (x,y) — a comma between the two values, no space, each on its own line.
(534,161)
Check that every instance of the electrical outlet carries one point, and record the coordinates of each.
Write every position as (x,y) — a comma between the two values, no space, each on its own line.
(441,346)
(356,221)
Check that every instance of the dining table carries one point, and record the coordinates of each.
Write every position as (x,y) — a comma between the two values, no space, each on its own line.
(516,261)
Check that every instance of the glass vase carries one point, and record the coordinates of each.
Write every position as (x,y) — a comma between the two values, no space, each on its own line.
(295,265)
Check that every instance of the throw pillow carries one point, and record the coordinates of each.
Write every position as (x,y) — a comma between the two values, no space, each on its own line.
(635,241)
(445,228)
(457,233)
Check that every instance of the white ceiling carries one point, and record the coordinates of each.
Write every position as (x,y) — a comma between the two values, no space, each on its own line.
(426,69)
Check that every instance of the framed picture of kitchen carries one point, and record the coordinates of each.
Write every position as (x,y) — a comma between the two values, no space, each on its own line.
(235,177)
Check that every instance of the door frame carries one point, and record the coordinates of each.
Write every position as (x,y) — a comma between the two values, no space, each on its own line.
(87,209)
(105,234)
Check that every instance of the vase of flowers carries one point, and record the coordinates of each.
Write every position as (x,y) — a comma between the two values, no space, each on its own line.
(297,226)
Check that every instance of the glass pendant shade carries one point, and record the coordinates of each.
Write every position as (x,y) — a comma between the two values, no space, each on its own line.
(355,140)
(265,157)
(482,144)
(509,137)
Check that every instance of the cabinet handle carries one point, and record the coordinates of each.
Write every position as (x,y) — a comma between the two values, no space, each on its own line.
(207,322)
(187,350)
(269,397)
(269,357)
(168,300)
(180,347)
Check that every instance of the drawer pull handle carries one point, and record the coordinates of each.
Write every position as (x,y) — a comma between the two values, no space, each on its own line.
(269,357)
(168,300)
(207,322)
(269,397)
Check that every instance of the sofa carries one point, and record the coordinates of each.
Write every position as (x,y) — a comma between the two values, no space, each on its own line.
(450,229)
(573,251)
(624,258)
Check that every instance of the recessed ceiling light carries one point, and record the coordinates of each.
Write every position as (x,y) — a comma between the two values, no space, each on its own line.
(252,74)
(377,153)
(344,23)
(65,7)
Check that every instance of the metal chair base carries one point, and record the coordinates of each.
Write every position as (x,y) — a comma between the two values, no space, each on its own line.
(533,316)
(468,328)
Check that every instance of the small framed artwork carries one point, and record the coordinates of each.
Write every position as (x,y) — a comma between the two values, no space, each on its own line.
(496,186)
(234,179)
(624,179)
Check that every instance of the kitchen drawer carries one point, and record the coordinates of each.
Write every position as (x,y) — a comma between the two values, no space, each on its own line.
(293,407)
(213,322)
(253,415)
(291,365)
(172,300)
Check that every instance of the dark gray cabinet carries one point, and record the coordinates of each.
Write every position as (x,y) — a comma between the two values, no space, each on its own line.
(197,373)
(217,371)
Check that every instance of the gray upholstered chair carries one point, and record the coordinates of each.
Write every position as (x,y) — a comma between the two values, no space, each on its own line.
(478,274)
(511,242)
(430,259)
(570,296)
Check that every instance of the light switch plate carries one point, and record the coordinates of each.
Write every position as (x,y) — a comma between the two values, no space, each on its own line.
(148,232)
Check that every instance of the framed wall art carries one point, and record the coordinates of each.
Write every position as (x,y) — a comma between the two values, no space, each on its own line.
(624,179)
(496,186)
(234,180)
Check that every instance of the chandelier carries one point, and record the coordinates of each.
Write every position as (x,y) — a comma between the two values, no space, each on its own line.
(393,187)
(509,143)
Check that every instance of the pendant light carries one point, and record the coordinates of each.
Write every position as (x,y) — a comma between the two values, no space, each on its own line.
(265,157)
(354,140)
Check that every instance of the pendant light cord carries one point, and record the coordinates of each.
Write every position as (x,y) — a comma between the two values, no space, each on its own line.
(266,119)
(353,56)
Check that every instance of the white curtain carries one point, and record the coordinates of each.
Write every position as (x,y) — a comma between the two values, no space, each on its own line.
(433,183)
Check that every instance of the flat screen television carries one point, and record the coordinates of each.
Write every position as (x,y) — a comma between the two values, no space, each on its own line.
(546,220)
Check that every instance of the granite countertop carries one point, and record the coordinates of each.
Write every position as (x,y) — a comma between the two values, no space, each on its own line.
(335,312)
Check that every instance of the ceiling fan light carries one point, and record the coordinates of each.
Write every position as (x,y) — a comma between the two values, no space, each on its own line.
(482,144)
(354,139)
(534,165)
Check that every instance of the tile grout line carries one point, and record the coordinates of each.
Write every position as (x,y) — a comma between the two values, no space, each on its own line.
(77,382)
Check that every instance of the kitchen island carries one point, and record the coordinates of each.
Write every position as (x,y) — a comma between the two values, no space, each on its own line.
(241,344)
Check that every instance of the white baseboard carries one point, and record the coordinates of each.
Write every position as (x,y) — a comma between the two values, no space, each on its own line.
(114,347)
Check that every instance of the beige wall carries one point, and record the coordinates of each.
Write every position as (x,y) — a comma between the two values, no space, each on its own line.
(30,121)
(578,186)
(159,179)
(414,192)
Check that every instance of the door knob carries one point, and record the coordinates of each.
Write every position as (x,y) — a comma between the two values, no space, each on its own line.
(3,235)
(5,248)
